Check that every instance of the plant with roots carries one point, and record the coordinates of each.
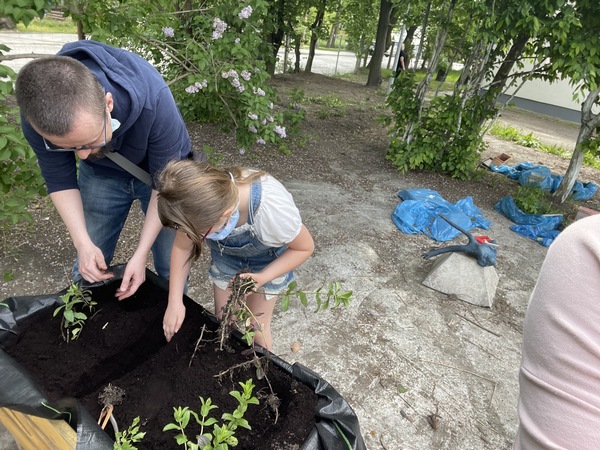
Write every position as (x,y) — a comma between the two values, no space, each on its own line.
(75,301)
(237,315)
(212,435)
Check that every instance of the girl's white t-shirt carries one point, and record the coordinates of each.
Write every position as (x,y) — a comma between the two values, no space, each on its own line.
(277,221)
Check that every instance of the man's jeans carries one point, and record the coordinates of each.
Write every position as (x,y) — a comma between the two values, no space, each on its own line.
(106,204)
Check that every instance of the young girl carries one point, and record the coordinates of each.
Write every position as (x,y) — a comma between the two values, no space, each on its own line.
(251,224)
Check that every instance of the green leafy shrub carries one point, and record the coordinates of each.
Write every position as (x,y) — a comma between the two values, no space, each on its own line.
(20,177)
(214,59)
(532,199)
(212,435)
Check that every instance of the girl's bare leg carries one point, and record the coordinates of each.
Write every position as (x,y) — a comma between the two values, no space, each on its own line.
(263,311)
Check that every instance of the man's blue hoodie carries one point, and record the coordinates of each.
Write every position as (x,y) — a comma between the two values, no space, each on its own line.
(152,131)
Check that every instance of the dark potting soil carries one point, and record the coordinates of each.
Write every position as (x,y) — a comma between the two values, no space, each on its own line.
(123,344)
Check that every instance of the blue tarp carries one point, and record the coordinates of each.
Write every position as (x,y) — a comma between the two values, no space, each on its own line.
(542,228)
(529,173)
(419,213)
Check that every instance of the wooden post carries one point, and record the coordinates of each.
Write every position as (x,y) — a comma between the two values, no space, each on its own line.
(35,433)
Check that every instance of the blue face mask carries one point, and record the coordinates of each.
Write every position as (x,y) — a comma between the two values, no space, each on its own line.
(227,228)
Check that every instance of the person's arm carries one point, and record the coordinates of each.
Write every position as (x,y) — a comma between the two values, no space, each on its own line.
(91,263)
(402,62)
(298,251)
(180,268)
(135,271)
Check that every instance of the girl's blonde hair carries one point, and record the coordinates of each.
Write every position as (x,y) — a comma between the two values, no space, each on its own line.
(193,196)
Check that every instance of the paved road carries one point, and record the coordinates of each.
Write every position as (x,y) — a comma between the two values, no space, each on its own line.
(326,62)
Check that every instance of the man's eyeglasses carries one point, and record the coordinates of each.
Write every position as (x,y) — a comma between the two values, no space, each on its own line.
(53,148)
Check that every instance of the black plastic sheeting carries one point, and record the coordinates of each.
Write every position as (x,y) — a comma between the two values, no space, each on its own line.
(336,424)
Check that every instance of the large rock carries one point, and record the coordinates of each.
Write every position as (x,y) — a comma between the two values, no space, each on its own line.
(459,274)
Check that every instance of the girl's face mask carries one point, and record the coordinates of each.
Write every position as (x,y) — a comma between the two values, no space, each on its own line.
(227,228)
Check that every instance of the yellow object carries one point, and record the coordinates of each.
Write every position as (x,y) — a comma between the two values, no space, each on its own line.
(35,433)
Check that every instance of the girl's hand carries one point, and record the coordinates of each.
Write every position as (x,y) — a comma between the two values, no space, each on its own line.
(257,277)
(173,319)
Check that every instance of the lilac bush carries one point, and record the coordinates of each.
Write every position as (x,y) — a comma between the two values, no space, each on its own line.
(213,57)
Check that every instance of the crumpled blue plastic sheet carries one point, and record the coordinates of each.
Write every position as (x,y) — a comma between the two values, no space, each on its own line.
(542,228)
(419,213)
(529,173)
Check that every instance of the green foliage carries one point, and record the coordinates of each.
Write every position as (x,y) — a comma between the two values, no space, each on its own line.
(125,440)
(332,106)
(23,11)
(332,297)
(222,436)
(445,137)
(214,59)
(20,177)
(532,199)
(75,300)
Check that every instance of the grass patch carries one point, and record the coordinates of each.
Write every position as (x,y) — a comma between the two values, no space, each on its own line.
(49,26)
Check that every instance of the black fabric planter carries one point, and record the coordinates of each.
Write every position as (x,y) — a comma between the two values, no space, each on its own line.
(336,424)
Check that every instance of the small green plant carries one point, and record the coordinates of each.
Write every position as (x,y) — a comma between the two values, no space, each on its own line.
(125,440)
(532,199)
(75,300)
(212,435)
(236,313)
(333,296)
(8,275)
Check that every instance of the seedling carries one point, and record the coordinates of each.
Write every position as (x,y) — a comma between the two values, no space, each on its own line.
(125,440)
(222,436)
(75,300)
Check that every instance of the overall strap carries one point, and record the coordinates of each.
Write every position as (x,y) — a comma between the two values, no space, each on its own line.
(255,196)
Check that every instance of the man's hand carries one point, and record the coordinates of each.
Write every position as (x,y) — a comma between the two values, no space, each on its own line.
(91,265)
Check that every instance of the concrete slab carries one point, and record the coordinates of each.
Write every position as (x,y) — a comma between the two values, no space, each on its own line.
(459,274)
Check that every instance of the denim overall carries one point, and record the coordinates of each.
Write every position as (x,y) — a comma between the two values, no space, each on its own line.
(242,252)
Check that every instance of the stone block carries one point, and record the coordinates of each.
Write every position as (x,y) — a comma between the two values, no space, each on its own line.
(459,274)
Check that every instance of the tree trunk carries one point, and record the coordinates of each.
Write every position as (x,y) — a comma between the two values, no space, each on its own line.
(499,81)
(589,122)
(440,40)
(275,38)
(297,42)
(333,35)
(314,35)
(382,27)
(423,33)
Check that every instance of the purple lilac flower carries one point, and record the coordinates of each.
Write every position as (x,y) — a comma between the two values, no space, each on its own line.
(280,131)
(245,13)
(264,121)
(252,129)
(260,141)
(219,28)
(246,75)
(270,105)
(192,89)
(252,116)
(242,150)
(270,119)
(259,92)
(237,40)
(168,32)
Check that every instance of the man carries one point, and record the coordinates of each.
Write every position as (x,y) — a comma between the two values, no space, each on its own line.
(88,100)
(402,61)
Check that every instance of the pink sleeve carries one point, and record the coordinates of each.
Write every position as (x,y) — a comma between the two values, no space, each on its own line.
(559,401)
